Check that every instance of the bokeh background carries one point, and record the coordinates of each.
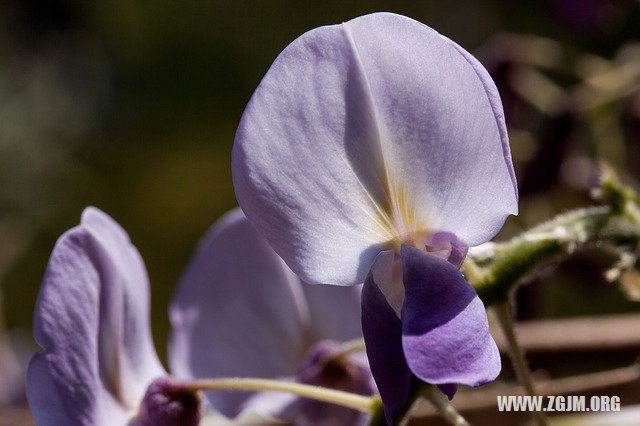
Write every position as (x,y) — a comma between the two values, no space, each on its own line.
(131,106)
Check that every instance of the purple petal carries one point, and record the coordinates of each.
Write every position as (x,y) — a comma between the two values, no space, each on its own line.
(383,338)
(45,400)
(449,389)
(92,319)
(369,132)
(447,246)
(238,311)
(445,328)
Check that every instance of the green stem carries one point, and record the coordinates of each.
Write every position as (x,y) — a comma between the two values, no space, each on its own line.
(494,269)
(448,412)
(333,396)
(517,356)
(349,348)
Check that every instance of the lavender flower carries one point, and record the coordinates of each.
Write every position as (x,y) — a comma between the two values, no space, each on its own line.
(238,311)
(375,151)
(92,319)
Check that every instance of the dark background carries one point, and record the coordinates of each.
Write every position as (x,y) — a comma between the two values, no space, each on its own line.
(131,106)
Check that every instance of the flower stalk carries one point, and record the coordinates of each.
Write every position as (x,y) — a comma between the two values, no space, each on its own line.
(361,403)
(517,356)
(448,411)
(494,269)
(349,348)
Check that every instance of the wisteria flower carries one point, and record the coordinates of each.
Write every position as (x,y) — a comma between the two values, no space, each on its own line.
(375,151)
(237,311)
(259,320)
(92,319)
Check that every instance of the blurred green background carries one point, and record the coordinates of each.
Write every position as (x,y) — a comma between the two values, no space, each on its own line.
(131,106)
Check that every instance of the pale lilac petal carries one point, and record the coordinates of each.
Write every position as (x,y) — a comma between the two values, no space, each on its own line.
(367,133)
(45,400)
(306,162)
(125,305)
(445,332)
(383,338)
(238,311)
(91,318)
(441,123)
(335,311)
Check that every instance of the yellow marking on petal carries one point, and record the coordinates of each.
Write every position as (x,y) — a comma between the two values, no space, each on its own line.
(402,220)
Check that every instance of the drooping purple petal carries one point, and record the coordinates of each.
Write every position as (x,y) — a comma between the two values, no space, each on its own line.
(92,319)
(238,311)
(364,134)
(445,332)
(383,338)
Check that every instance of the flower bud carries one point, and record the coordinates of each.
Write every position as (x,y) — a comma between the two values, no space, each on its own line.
(168,403)
(325,366)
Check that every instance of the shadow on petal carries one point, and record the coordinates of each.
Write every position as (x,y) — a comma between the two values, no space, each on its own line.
(382,331)
(445,331)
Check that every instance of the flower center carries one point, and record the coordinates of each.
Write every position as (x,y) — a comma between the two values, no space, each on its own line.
(447,246)
(388,274)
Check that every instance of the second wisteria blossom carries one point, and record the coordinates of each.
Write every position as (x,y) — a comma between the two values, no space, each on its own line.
(98,366)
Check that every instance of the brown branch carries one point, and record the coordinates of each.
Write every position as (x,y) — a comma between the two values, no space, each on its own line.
(479,407)
(576,334)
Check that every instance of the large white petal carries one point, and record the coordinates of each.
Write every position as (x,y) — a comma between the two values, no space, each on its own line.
(364,134)
(306,161)
(442,126)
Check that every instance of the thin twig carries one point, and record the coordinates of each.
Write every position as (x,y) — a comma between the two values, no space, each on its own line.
(622,382)
(517,355)
(448,412)
(608,332)
(348,348)
(345,399)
